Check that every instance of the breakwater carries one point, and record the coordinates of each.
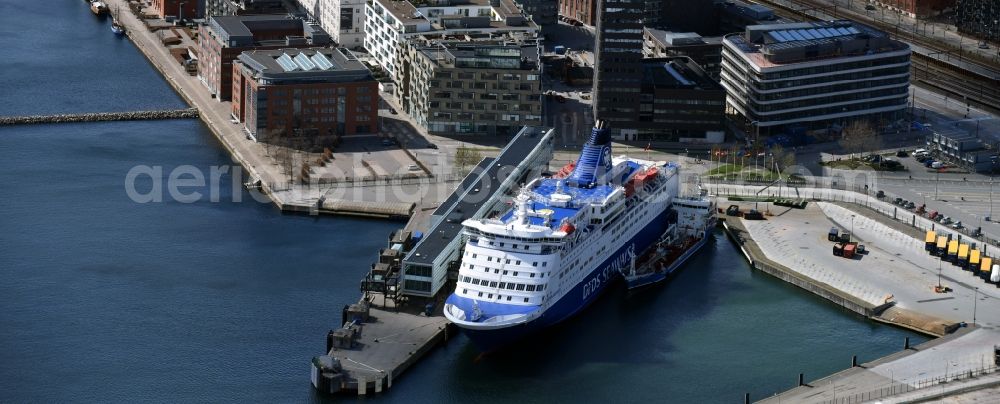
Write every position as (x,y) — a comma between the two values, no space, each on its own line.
(187,113)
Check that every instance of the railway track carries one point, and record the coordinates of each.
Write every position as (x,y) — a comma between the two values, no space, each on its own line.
(979,87)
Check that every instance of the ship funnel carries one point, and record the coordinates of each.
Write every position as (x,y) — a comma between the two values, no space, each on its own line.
(595,159)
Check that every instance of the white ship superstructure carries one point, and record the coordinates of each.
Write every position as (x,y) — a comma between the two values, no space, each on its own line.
(563,241)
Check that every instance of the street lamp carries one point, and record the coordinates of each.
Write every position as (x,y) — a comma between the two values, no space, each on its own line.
(851,236)
(975,298)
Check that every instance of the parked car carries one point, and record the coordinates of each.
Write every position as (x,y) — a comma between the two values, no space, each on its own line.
(880,194)
(937,165)
(897,201)
(932,214)
(432,146)
(958,225)
(929,162)
(901,153)
(870,7)
(946,221)
(386,142)
(911,205)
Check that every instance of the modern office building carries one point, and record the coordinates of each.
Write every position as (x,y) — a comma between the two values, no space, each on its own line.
(584,11)
(980,18)
(706,52)
(918,8)
(215,8)
(736,16)
(389,23)
(224,38)
(180,9)
(455,86)
(618,64)
(682,15)
(678,102)
(316,92)
(814,75)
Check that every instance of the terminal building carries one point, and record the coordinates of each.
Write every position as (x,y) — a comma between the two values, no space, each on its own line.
(315,92)
(803,76)
(485,192)
(966,150)
(224,38)
(484,87)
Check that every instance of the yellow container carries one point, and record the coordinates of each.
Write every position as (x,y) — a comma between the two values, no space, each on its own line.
(963,252)
(953,247)
(931,236)
(987,264)
(942,242)
(974,258)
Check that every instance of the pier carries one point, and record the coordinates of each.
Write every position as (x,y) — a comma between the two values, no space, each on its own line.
(187,113)
(892,282)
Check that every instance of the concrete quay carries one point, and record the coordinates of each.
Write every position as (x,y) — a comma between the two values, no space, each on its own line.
(100,117)
(391,340)
(959,367)
(352,183)
(892,283)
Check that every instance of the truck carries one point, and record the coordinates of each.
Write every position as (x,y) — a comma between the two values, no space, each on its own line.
(849,250)
(838,249)
(834,234)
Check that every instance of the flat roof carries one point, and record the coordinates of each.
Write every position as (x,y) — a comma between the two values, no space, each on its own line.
(329,64)
(481,191)
(403,10)
(676,72)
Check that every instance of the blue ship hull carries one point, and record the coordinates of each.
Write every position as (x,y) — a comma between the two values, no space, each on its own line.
(581,296)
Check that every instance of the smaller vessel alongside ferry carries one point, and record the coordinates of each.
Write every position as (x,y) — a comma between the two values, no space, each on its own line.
(686,235)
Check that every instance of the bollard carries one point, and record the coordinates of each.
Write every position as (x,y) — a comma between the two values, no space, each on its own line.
(906,343)
(854,361)
(800,379)
(329,341)
(746,398)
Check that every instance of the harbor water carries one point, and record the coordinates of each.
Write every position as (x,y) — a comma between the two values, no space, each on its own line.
(226,300)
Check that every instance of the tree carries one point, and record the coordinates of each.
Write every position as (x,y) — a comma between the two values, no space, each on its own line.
(465,156)
(859,136)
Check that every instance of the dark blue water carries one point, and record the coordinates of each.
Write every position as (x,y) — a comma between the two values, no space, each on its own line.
(106,299)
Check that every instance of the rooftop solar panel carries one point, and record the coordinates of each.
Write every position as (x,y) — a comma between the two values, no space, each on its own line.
(303,61)
(286,63)
(797,35)
(815,33)
(321,61)
(853,30)
(779,36)
(843,31)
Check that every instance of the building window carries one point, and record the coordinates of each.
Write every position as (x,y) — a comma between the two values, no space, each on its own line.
(526,300)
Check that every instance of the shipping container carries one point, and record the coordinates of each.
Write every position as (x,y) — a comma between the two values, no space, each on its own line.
(942,246)
(985,268)
(838,249)
(952,251)
(973,260)
(963,255)
(930,240)
(832,236)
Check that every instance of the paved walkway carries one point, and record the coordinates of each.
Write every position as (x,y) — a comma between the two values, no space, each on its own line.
(276,179)
(939,367)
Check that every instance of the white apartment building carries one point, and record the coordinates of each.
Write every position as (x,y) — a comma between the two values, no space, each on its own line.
(388,23)
(344,20)
(815,75)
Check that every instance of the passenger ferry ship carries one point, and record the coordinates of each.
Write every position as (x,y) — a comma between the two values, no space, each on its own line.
(564,241)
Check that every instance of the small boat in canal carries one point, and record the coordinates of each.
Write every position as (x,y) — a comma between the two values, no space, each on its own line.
(117,26)
(99,8)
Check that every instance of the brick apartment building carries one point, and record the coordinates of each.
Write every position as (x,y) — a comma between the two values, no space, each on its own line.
(182,9)
(313,92)
(224,38)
